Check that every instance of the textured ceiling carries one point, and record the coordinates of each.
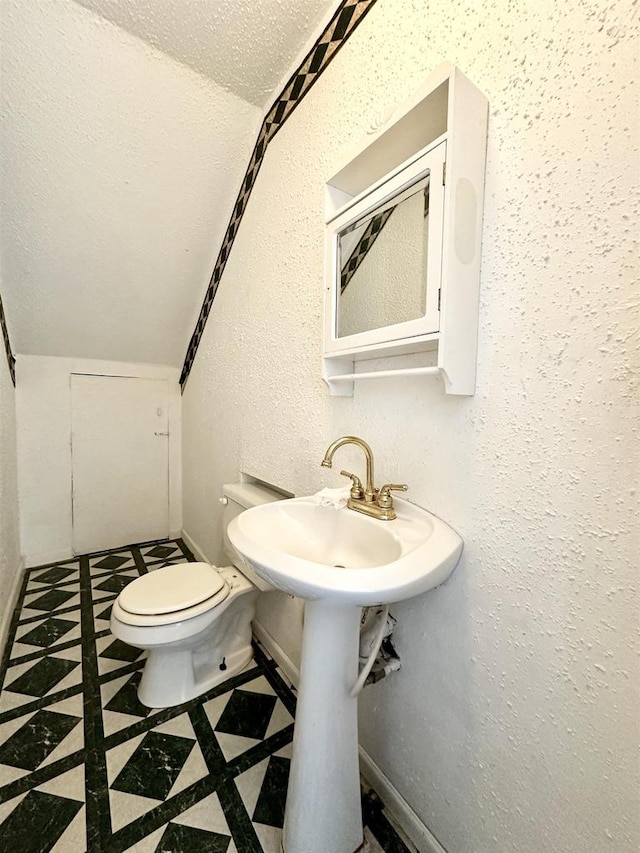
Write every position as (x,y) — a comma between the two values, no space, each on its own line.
(246,46)
(119,166)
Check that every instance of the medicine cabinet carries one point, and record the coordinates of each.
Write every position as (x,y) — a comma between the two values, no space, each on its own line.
(402,242)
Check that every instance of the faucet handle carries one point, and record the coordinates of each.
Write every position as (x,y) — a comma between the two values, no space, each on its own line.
(385,501)
(357,492)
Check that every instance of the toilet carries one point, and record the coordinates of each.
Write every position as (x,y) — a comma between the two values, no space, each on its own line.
(193,619)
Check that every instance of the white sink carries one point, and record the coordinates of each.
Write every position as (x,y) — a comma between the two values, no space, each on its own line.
(318,552)
(339,560)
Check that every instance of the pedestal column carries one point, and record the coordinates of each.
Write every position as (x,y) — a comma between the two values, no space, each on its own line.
(323,811)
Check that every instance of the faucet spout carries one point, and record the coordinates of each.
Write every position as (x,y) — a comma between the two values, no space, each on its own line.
(369,491)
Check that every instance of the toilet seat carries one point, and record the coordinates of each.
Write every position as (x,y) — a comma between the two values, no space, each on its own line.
(171,594)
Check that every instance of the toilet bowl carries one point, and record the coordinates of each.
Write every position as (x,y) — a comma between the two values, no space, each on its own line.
(193,619)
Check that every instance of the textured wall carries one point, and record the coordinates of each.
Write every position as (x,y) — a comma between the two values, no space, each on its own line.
(513,723)
(9,539)
(119,169)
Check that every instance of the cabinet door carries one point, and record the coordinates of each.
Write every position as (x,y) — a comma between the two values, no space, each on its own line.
(384,259)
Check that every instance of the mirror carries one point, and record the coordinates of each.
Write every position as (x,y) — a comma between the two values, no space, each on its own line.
(382,263)
(383,259)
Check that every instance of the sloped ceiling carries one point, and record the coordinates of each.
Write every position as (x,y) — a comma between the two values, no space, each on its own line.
(245,46)
(125,129)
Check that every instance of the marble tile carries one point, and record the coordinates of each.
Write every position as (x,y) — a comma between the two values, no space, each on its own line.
(155,765)
(194,769)
(52,600)
(153,779)
(178,838)
(259,685)
(149,844)
(206,814)
(110,562)
(249,784)
(102,613)
(233,745)
(46,633)
(280,719)
(269,838)
(120,696)
(37,679)
(113,655)
(161,552)
(38,822)
(36,739)
(127,808)
(70,784)
(54,575)
(117,650)
(273,793)
(114,583)
(247,714)
(75,835)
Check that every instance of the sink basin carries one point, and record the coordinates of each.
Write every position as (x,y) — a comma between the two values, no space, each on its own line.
(319,552)
(339,560)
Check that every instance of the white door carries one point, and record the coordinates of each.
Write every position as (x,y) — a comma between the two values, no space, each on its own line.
(119,461)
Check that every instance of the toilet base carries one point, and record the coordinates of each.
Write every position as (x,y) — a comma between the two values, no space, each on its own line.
(168,677)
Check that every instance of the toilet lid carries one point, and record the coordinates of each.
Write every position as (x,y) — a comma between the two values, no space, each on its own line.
(172,588)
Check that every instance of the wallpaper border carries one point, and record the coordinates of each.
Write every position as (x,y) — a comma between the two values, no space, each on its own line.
(11,361)
(344,21)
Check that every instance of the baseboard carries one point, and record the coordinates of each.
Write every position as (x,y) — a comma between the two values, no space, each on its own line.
(277,652)
(405,819)
(47,557)
(401,812)
(10,606)
(193,546)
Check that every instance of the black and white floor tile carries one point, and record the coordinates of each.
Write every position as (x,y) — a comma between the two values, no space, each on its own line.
(85,768)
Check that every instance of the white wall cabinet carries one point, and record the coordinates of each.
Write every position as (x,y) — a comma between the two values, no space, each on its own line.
(395,287)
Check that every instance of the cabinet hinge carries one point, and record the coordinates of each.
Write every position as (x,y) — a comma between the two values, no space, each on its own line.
(439,296)
(444,172)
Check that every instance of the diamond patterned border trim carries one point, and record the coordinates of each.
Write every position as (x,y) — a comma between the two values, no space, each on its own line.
(11,361)
(346,18)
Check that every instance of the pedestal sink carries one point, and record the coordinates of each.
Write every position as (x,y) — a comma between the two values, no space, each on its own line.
(338,560)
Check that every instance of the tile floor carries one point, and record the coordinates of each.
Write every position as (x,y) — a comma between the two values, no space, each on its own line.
(85,767)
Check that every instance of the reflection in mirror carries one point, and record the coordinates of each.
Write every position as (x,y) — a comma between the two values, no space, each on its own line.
(382,263)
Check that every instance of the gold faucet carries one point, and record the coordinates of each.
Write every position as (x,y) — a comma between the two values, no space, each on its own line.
(377,503)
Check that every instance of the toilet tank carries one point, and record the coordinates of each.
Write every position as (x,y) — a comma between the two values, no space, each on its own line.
(237,497)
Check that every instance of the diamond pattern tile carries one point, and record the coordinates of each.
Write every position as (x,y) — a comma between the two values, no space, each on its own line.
(52,600)
(37,739)
(270,806)
(140,775)
(80,754)
(114,583)
(177,838)
(112,562)
(55,575)
(125,700)
(162,551)
(43,676)
(37,823)
(117,650)
(247,714)
(48,632)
